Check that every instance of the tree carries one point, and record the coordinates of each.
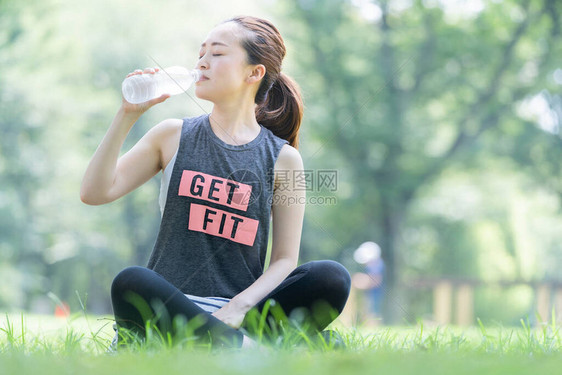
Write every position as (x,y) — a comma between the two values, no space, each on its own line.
(416,90)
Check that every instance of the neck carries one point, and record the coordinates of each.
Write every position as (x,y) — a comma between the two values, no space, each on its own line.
(234,122)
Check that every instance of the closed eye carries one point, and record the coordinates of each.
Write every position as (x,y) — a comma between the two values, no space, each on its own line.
(214,55)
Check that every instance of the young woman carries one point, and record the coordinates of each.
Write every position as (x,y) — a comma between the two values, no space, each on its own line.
(225,175)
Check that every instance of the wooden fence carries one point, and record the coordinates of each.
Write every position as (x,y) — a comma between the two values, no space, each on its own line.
(453,298)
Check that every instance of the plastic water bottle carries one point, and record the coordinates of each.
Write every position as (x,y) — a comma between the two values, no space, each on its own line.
(174,80)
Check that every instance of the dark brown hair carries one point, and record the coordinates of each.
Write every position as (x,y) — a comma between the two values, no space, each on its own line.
(279,102)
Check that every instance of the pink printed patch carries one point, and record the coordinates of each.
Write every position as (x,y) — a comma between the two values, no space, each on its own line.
(222,224)
(215,189)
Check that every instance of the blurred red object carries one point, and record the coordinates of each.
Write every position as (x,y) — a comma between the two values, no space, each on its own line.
(62,310)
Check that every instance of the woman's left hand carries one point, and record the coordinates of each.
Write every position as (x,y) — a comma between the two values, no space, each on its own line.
(231,315)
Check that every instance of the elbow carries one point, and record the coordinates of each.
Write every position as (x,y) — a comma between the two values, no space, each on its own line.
(292,263)
(92,202)
(289,263)
(87,201)
(91,199)
(85,198)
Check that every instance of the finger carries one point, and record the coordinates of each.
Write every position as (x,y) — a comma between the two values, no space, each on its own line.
(159,99)
(233,325)
(149,70)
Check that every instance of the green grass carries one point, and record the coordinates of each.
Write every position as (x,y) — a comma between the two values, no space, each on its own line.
(32,344)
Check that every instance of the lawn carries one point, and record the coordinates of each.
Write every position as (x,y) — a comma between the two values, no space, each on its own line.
(32,344)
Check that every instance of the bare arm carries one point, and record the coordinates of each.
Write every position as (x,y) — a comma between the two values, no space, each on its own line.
(288,215)
(108,176)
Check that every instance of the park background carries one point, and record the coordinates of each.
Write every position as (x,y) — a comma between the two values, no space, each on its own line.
(441,120)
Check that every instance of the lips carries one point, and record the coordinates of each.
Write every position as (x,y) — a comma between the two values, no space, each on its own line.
(203,78)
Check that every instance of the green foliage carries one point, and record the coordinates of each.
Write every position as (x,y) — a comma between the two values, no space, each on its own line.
(59,89)
(414,103)
(443,125)
(77,334)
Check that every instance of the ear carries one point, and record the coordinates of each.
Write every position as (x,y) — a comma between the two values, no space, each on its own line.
(256,74)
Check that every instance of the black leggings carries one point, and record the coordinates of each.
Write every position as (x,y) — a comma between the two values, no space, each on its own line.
(314,293)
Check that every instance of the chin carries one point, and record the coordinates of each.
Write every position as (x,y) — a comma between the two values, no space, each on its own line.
(201,93)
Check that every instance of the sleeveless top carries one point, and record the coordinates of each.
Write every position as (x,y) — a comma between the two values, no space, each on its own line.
(165,182)
(214,231)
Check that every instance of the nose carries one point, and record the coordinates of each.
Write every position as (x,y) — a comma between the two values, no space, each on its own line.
(202,63)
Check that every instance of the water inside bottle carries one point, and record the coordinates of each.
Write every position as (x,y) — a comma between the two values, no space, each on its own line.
(139,88)
(143,87)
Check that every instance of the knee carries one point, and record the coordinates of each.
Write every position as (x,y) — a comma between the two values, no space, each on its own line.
(126,280)
(334,279)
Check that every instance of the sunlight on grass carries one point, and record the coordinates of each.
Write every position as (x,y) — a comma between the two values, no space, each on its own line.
(45,345)
(29,333)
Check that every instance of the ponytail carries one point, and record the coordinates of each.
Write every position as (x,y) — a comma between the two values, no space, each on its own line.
(281,110)
(278,99)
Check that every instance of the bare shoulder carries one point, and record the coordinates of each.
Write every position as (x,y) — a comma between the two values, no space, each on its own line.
(289,158)
(167,127)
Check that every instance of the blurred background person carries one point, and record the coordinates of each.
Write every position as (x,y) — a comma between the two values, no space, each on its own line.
(372,280)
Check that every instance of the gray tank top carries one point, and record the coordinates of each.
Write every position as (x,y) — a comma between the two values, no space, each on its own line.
(165,182)
(214,231)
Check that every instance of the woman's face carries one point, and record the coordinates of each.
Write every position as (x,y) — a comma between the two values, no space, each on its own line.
(223,64)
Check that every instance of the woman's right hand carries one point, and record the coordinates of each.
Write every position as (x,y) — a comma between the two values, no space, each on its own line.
(142,107)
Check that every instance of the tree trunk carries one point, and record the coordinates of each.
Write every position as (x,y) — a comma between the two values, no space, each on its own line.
(393,311)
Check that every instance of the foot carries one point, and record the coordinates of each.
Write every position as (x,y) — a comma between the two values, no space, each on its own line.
(112,348)
(249,343)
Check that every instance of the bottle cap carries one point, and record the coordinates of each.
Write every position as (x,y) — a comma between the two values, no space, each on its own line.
(196,75)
